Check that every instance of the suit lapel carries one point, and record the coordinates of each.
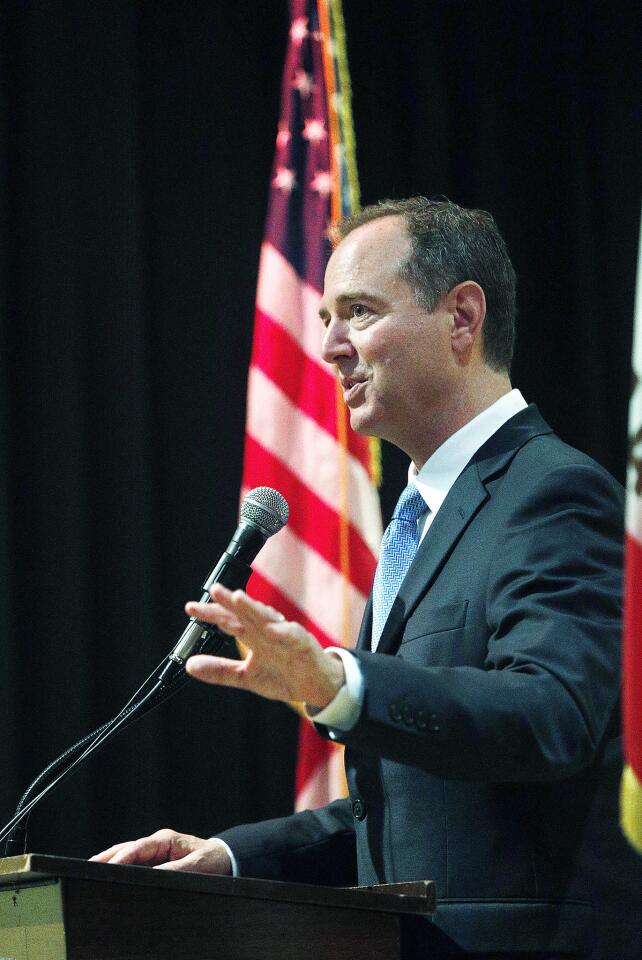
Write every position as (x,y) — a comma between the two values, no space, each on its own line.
(464,500)
(365,631)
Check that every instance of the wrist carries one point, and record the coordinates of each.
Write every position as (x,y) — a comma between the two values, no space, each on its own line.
(342,713)
(335,676)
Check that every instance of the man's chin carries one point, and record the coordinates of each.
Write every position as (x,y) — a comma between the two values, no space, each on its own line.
(363,424)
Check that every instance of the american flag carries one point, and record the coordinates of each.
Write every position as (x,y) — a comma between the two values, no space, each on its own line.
(319,569)
(631,800)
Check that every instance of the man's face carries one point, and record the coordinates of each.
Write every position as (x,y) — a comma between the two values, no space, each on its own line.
(393,357)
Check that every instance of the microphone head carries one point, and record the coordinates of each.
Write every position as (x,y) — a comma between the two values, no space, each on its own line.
(266,508)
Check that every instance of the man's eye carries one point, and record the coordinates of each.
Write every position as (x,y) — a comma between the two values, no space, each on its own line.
(357,310)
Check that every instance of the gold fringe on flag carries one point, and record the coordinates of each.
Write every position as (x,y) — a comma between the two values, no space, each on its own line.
(631,807)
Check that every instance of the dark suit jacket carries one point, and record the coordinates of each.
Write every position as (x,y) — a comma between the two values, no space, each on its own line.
(486,757)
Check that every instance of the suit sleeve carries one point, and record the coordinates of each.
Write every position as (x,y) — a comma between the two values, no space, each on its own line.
(538,707)
(314,846)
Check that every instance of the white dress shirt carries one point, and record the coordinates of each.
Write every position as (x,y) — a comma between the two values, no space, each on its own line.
(433,481)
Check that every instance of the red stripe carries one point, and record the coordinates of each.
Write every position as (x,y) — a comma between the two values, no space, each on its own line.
(262,589)
(632,706)
(314,752)
(306,383)
(312,520)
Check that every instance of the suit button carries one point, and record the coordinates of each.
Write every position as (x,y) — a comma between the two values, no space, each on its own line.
(394,711)
(433,723)
(358,810)
(421,720)
(408,715)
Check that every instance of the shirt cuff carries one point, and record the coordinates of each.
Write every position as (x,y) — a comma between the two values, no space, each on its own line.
(343,712)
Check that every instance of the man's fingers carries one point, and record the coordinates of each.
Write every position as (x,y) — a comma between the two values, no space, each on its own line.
(217,614)
(253,612)
(210,858)
(236,613)
(139,852)
(160,846)
(134,853)
(248,611)
(219,670)
(188,863)
(105,855)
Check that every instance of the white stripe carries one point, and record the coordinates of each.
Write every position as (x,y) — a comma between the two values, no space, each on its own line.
(326,784)
(633,499)
(290,302)
(311,453)
(633,513)
(310,582)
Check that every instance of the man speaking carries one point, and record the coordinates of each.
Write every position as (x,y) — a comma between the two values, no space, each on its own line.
(479,709)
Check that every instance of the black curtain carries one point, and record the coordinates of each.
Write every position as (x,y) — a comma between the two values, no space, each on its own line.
(136,144)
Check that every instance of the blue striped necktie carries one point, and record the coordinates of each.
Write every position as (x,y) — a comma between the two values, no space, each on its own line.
(398,548)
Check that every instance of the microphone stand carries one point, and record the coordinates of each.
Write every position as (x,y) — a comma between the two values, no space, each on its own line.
(24,809)
(264,512)
(15,832)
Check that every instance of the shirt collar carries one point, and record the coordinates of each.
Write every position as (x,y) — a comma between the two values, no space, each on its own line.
(440,471)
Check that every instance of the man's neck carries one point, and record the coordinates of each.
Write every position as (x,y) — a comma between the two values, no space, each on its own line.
(470,403)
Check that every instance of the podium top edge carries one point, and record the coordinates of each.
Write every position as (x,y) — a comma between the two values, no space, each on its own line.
(33,868)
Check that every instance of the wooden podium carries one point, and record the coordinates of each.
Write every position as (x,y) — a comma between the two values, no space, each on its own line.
(57,909)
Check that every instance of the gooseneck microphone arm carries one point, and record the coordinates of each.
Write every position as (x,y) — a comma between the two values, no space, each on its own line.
(263,513)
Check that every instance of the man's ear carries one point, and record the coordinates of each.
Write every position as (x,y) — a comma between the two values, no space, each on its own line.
(467,304)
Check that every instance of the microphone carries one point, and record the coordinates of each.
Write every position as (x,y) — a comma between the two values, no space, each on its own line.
(264,512)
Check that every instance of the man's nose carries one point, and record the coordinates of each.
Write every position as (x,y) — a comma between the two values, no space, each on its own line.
(336,342)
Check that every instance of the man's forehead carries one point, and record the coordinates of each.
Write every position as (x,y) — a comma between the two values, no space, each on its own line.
(382,232)
(374,250)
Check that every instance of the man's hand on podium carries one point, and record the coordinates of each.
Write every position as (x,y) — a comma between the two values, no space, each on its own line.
(169,850)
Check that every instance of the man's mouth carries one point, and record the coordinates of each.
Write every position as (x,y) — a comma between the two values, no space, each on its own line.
(352,390)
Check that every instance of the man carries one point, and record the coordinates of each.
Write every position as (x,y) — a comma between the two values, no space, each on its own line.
(481,732)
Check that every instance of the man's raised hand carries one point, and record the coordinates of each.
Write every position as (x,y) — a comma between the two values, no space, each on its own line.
(283,661)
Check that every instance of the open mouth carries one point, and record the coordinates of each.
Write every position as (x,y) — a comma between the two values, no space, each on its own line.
(352,391)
